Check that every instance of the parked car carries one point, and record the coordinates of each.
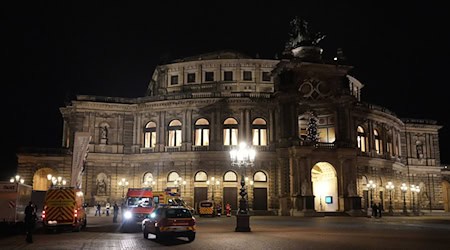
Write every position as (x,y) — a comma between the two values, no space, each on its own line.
(170,221)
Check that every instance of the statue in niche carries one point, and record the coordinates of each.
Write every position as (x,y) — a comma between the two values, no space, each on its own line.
(104,132)
(101,185)
(419,149)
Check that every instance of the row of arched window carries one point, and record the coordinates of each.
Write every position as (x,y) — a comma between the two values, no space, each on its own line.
(202,133)
(202,176)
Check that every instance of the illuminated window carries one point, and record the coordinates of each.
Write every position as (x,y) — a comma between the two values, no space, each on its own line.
(230,176)
(259,132)
(325,128)
(260,176)
(201,132)
(174,133)
(173,176)
(150,135)
(200,176)
(302,126)
(361,139)
(378,146)
(389,147)
(230,132)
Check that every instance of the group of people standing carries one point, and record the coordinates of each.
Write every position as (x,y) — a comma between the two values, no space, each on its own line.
(377,210)
(98,210)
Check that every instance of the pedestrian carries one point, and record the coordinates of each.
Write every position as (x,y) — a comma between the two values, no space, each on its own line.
(380,209)
(115,211)
(98,210)
(107,208)
(219,209)
(30,221)
(228,209)
(375,210)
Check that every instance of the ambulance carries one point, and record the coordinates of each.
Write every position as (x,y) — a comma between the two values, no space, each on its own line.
(63,209)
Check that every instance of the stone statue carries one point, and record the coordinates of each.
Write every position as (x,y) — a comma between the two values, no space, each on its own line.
(101,187)
(104,132)
(301,35)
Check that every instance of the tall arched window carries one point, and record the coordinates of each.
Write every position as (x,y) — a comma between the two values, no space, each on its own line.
(150,135)
(201,176)
(260,176)
(174,130)
(230,132)
(361,139)
(230,176)
(201,132)
(173,176)
(259,132)
(378,147)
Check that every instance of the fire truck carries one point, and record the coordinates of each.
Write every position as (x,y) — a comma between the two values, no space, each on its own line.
(139,205)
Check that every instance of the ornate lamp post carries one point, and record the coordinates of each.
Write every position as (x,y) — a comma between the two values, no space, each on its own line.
(242,158)
(123,183)
(404,188)
(415,190)
(371,186)
(390,187)
(213,183)
(17,179)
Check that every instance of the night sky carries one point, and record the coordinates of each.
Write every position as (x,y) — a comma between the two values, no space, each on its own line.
(56,50)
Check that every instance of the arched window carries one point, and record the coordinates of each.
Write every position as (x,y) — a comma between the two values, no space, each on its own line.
(147,179)
(174,130)
(259,132)
(150,135)
(173,176)
(361,139)
(230,132)
(230,176)
(201,132)
(378,147)
(260,177)
(201,176)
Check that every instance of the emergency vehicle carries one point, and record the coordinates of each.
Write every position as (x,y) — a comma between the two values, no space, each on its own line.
(138,206)
(63,209)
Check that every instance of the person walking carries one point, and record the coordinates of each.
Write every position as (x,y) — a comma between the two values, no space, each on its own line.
(115,211)
(219,209)
(375,210)
(30,221)
(107,208)
(380,209)
(228,209)
(98,210)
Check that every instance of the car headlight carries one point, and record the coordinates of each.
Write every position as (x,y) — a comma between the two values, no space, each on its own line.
(127,215)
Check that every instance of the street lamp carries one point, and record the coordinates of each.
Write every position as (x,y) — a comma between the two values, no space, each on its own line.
(213,183)
(123,183)
(179,184)
(150,183)
(404,188)
(242,158)
(390,187)
(17,179)
(415,190)
(371,186)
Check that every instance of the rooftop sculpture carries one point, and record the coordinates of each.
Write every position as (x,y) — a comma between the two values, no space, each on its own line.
(301,35)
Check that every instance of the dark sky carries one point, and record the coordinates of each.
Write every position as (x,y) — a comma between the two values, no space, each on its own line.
(56,50)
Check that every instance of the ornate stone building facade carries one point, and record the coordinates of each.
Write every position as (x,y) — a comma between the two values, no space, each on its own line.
(318,145)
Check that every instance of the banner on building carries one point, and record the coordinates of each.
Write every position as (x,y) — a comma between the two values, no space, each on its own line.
(80,152)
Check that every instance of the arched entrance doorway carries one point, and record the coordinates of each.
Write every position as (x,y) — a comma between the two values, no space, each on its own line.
(40,181)
(324,183)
